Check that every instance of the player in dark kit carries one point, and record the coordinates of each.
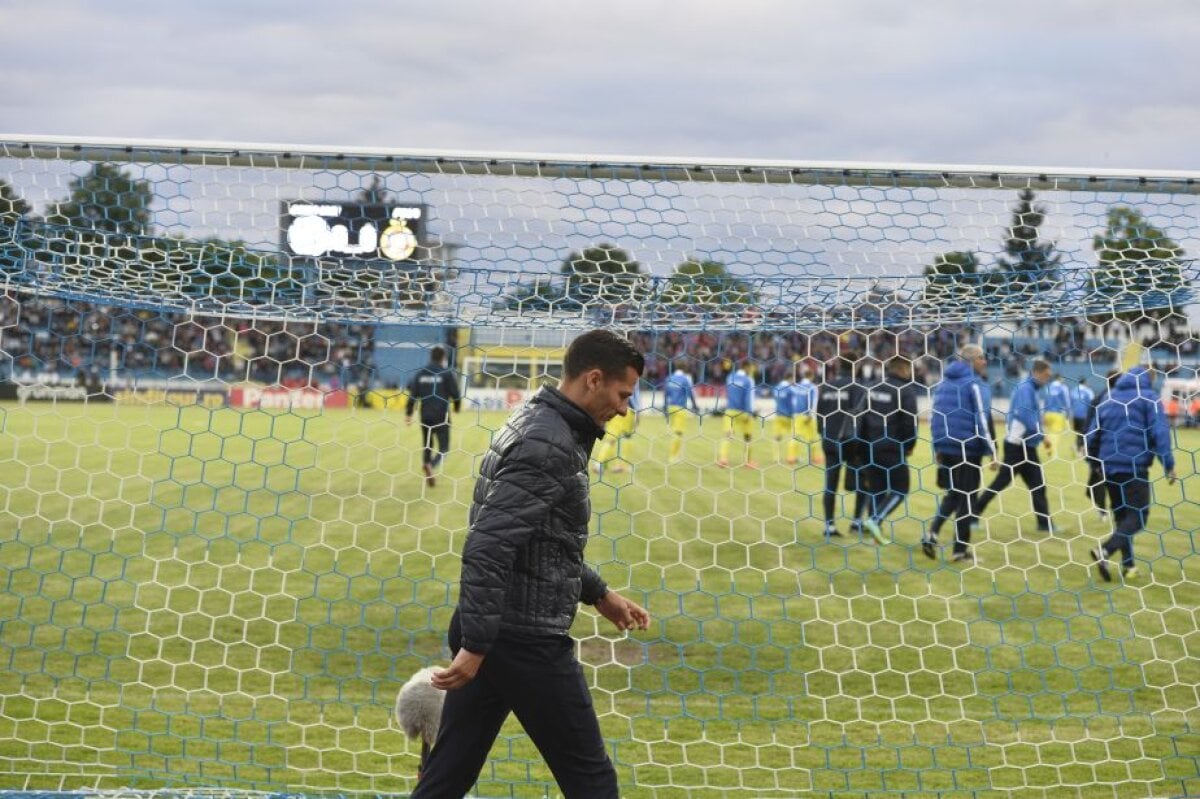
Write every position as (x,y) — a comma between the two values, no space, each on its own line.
(434,387)
(888,429)
(839,402)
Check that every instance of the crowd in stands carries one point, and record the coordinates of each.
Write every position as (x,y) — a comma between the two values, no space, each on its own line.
(54,337)
(710,355)
(51,336)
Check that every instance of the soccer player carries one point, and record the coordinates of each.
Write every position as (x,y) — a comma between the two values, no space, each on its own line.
(523,577)
(804,413)
(888,429)
(618,429)
(782,425)
(679,395)
(839,402)
(434,387)
(1082,398)
(1054,417)
(963,435)
(1022,435)
(739,415)
(1130,430)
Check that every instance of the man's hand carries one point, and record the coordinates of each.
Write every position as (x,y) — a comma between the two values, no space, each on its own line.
(623,613)
(1171,477)
(408,420)
(994,465)
(462,670)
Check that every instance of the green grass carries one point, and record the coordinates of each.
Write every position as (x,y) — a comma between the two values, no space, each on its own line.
(223,598)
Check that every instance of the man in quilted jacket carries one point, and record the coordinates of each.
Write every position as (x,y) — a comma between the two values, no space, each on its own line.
(1129,432)
(523,577)
(963,434)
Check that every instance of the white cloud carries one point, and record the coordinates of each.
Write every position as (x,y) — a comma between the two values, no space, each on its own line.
(1067,83)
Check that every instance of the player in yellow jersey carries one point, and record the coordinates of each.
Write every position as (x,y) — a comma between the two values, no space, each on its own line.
(616,432)
(679,399)
(804,417)
(740,415)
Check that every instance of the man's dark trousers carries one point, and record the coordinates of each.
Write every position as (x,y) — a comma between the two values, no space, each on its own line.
(1129,498)
(1020,460)
(540,680)
(434,430)
(840,455)
(885,477)
(964,475)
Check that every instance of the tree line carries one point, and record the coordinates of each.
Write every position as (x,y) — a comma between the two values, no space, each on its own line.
(1138,264)
(102,229)
(1138,270)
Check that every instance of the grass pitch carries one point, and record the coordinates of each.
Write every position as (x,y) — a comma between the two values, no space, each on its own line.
(232,598)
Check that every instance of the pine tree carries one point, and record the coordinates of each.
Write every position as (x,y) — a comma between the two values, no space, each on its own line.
(707,283)
(106,200)
(953,280)
(1032,265)
(604,273)
(13,209)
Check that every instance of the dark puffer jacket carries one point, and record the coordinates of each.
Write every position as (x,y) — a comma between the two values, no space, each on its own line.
(1131,429)
(522,565)
(961,419)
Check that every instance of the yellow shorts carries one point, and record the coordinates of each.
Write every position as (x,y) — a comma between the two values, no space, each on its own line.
(1054,422)
(782,426)
(739,423)
(677,420)
(621,426)
(806,428)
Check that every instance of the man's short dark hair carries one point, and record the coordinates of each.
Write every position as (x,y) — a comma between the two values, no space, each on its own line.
(437,354)
(604,350)
(1040,365)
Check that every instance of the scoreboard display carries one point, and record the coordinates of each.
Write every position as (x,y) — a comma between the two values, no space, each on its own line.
(363,231)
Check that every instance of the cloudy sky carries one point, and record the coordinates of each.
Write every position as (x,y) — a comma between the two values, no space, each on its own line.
(1073,83)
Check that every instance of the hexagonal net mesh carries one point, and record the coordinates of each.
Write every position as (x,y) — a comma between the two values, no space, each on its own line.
(223,555)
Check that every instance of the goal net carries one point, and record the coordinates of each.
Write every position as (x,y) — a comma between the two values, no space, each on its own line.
(221,559)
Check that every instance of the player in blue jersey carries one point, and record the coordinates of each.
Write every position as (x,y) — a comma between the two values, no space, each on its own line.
(679,399)
(739,414)
(782,423)
(804,416)
(1057,398)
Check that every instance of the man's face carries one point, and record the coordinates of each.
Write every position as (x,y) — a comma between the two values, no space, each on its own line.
(1042,378)
(980,364)
(608,396)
